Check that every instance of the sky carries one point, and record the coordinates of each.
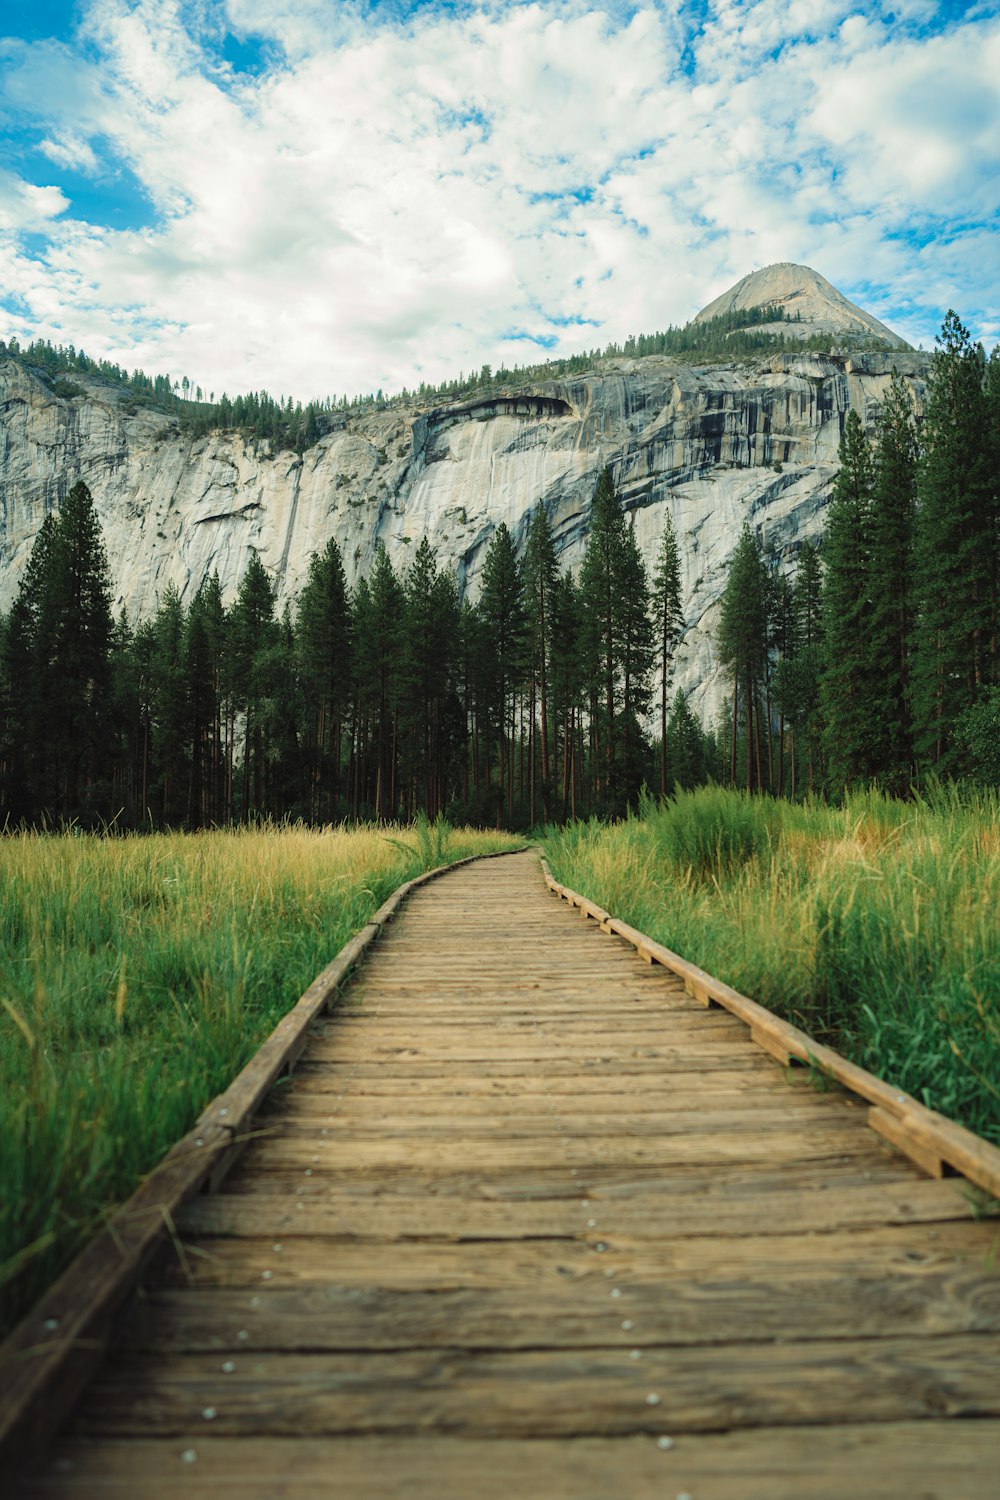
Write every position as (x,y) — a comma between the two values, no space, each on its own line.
(323,199)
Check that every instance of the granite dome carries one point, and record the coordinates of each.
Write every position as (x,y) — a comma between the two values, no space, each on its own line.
(802,293)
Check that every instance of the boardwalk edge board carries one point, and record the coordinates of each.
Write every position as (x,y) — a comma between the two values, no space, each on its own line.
(933,1142)
(49,1357)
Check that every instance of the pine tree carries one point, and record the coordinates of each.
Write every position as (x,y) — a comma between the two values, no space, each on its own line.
(203,666)
(991,391)
(171,719)
(599,611)
(811,657)
(377,614)
(324,648)
(567,679)
(782,641)
(74,637)
(849,689)
(893,511)
(638,651)
(685,744)
(797,679)
(253,632)
(742,644)
(361,755)
(618,646)
(955,550)
(669,617)
(474,674)
(285,792)
(430,618)
(501,606)
(540,575)
(23,744)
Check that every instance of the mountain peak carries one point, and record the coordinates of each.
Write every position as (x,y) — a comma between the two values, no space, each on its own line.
(802,293)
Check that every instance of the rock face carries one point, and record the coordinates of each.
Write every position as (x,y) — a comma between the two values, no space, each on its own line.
(802,293)
(715,446)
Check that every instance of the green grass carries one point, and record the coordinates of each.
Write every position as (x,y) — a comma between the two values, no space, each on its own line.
(138,976)
(873,926)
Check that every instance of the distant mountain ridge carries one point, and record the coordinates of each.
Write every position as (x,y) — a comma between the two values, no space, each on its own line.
(802,294)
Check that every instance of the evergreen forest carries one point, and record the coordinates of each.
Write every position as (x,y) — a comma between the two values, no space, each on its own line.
(551,697)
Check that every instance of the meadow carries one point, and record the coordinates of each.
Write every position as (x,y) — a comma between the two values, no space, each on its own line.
(875,926)
(139,975)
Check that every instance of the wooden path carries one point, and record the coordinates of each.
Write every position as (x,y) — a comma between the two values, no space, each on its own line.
(529,1221)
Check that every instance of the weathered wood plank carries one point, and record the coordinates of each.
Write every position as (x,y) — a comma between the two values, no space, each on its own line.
(458,1111)
(308,1126)
(324,1156)
(323,1082)
(696,1212)
(534,1049)
(916,1298)
(513,1265)
(931,1460)
(538,1071)
(551,1392)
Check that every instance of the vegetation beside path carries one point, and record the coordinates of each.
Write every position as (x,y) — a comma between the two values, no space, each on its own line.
(140,975)
(873,925)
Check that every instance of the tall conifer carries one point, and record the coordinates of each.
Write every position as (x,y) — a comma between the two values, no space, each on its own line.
(74,631)
(618,646)
(849,689)
(430,626)
(25,683)
(567,677)
(377,614)
(668,615)
(324,649)
(253,630)
(501,605)
(540,574)
(742,643)
(955,550)
(637,648)
(893,511)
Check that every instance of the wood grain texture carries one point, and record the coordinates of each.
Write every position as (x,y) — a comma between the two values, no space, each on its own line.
(928,1460)
(527,1207)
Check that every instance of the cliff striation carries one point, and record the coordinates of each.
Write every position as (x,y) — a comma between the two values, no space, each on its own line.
(715,445)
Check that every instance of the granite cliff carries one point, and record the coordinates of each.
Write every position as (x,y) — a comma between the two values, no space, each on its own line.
(716,445)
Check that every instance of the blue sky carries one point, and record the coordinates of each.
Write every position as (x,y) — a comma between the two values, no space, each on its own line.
(329,197)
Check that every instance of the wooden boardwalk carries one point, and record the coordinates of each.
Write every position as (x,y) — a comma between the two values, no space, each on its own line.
(529,1221)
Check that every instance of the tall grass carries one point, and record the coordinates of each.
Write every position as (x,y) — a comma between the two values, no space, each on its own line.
(137,976)
(875,926)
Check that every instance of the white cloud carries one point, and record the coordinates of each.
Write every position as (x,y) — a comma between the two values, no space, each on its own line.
(72,152)
(395,199)
(27,208)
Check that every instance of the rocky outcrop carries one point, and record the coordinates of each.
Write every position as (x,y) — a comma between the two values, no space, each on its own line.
(804,295)
(714,446)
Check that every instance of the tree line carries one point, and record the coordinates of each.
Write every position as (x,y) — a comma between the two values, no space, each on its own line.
(371,702)
(551,696)
(879,661)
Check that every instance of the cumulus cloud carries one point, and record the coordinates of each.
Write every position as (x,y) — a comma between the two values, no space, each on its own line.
(25,207)
(72,152)
(407,191)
